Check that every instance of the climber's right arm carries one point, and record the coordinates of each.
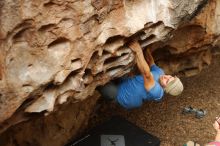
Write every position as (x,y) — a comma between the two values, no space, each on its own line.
(142,65)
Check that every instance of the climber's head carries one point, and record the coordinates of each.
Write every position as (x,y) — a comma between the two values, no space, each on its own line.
(172,85)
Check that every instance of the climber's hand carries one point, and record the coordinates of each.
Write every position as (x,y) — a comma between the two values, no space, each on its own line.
(135,46)
(149,57)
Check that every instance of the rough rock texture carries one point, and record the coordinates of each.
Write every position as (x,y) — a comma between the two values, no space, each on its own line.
(53,130)
(189,50)
(56,51)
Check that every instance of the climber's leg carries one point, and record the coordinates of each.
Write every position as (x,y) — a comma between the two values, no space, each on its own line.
(109,90)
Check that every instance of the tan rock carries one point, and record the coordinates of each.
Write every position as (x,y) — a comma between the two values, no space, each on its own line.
(56,51)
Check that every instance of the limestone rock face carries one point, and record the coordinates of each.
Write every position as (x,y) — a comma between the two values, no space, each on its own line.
(189,50)
(57,51)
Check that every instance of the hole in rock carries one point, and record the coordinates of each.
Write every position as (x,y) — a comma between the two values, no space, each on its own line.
(19,34)
(75,72)
(30,65)
(190,69)
(49,86)
(95,55)
(87,77)
(115,68)
(58,41)
(113,39)
(152,36)
(72,74)
(11,59)
(105,52)
(88,72)
(113,59)
(75,60)
(49,4)
(46,27)
(157,24)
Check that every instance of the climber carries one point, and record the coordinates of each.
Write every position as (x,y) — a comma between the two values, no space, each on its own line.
(130,92)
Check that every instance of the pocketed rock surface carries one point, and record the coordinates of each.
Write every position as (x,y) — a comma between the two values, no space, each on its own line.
(165,119)
(55,53)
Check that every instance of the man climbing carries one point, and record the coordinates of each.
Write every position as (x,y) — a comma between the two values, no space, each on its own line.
(130,92)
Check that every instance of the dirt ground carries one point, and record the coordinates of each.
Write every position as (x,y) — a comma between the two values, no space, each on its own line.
(165,119)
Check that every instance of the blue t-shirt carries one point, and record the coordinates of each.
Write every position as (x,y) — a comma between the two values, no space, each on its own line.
(132,93)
